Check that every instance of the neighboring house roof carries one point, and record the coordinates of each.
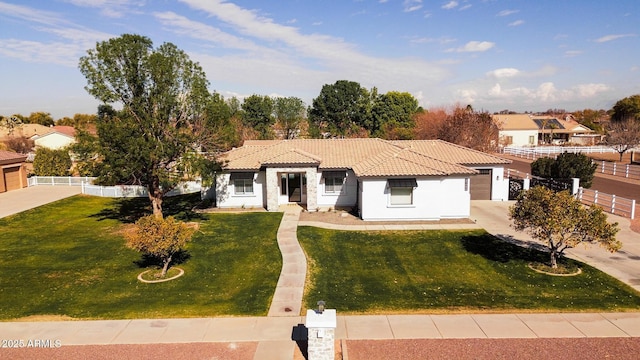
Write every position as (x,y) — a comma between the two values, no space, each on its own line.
(560,126)
(52,134)
(365,156)
(26,130)
(514,122)
(67,130)
(8,157)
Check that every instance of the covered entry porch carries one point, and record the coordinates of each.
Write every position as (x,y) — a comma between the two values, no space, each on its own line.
(291,185)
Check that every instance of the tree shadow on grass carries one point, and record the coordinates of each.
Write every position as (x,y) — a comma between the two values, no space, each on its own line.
(129,210)
(178,258)
(506,249)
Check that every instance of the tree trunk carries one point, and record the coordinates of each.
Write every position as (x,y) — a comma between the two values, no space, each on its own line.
(621,155)
(155,196)
(156,203)
(554,259)
(165,266)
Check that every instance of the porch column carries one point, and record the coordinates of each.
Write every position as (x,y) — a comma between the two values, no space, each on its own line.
(272,189)
(312,189)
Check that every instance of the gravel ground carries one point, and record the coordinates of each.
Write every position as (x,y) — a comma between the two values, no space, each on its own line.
(459,349)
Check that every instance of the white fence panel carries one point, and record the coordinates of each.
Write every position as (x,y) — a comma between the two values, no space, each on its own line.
(59,180)
(132,191)
(610,203)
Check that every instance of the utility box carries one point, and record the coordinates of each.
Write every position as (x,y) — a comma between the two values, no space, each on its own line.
(322,334)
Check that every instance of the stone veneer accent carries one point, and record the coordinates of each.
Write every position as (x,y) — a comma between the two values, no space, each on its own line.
(273,186)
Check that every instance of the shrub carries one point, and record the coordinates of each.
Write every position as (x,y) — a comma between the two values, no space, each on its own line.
(565,166)
(50,162)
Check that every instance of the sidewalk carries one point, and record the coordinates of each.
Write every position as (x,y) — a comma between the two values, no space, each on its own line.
(360,327)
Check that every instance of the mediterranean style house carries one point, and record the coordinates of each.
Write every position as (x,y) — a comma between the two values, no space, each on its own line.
(380,179)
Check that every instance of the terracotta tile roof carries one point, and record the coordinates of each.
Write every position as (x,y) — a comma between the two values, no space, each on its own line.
(367,157)
(514,122)
(67,130)
(8,157)
(452,153)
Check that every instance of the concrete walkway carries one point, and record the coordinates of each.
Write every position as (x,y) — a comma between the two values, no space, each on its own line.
(287,299)
(15,201)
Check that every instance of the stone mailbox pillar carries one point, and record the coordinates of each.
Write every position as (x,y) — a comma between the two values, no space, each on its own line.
(322,334)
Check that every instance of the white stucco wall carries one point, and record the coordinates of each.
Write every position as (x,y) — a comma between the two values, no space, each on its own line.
(347,197)
(226,197)
(433,199)
(520,137)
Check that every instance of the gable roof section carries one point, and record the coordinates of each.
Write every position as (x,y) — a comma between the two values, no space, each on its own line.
(452,153)
(514,122)
(365,156)
(8,157)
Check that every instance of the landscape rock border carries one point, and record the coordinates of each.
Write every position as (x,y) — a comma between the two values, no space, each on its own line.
(180,273)
(552,274)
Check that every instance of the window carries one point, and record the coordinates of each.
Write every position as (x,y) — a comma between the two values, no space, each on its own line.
(531,140)
(401,191)
(333,181)
(242,183)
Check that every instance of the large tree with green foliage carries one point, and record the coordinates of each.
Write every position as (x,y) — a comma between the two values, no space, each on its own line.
(290,113)
(42,118)
(50,162)
(341,109)
(393,111)
(561,222)
(566,166)
(626,109)
(162,95)
(257,113)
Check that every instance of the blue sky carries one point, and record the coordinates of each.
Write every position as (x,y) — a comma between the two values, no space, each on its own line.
(521,55)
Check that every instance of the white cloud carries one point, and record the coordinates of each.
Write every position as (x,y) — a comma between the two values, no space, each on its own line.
(38,52)
(590,90)
(474,46)
(608,38)
(516,23)
(450,5)
(411,5)
(504,73)
(31,14)
(507,12)
(572,53)
(110,8)
(286,61)
(465,7)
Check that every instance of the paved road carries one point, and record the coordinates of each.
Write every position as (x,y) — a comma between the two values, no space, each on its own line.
(606,184)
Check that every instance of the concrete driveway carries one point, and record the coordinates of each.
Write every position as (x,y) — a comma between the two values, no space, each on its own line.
(623,265)
(15,201)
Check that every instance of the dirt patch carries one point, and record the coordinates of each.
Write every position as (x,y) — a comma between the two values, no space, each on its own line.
(35,318)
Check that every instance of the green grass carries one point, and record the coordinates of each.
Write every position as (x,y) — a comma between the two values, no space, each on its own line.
(441,271)
(69,258)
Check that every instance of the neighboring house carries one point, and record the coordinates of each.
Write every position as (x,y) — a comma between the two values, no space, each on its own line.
(29,131)
(516,129)
(564,131)
(13,173)
(58,138)
(382,180)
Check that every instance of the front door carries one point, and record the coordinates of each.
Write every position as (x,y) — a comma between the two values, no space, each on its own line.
(295,188)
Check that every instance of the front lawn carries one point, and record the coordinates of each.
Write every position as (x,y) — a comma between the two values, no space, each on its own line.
(441,271)
(69,258)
